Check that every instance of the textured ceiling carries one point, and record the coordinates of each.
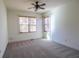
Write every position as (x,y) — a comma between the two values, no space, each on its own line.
(25,4)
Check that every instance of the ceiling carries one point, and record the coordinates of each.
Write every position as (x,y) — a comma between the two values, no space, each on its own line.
(25,4)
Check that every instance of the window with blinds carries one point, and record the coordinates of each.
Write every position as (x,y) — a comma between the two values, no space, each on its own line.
(46,24)
(27,24)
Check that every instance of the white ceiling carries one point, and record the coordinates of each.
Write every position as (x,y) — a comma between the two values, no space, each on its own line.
(25,4)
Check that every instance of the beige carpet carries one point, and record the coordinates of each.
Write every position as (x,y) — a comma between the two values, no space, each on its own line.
(39,49)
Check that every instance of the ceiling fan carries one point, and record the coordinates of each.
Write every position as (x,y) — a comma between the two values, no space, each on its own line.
(37,5)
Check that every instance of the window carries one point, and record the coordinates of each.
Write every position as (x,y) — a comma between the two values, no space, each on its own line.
(27,24)
(46,24)
(32,24)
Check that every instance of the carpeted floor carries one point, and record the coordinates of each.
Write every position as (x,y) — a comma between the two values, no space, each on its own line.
(39,49)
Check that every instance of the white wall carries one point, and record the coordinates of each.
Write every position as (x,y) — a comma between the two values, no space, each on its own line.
(13,26)
(67,24)
(3,28)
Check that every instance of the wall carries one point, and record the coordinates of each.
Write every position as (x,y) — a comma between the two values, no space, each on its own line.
(3,28)
(66,24)
(13,26)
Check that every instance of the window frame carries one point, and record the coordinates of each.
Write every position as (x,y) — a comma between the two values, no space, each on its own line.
(32,25)
(46,24)
(28,24)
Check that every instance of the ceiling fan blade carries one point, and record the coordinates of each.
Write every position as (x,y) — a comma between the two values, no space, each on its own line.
(33,4)
(41,7)
(31,8)
(42,4)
